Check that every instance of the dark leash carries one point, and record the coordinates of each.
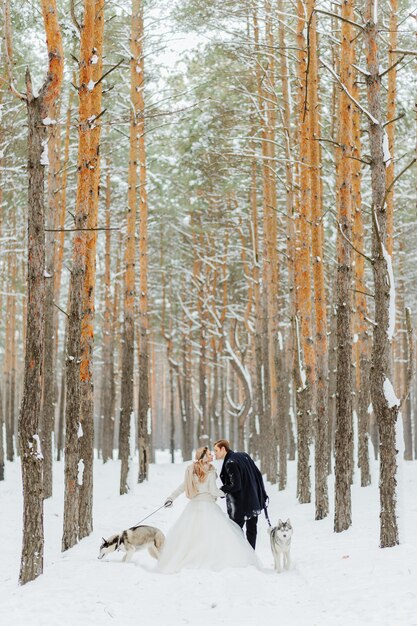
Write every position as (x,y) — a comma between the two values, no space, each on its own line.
(267,517)
(150,514)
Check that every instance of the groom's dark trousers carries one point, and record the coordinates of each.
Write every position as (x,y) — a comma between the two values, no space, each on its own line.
(245,492)
(251,529)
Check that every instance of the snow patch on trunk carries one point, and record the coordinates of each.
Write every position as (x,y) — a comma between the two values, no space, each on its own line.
(38,451)
(44,155)
(391,320)
(385,147)
(389,394)
(80,472)
(303,374)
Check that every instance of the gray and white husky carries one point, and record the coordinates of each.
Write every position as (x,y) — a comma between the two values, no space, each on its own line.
(133,539)
(280,537)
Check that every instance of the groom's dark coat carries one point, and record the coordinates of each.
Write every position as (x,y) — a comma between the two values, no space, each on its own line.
(243,485)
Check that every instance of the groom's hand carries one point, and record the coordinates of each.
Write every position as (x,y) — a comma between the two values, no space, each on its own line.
(168,503)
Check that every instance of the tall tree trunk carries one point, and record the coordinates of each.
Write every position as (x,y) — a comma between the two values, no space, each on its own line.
(29,419)
(305,349)
(271,242)
(391,114)
(321,423)
(29,440)
(344,432)
(48,398)
(384,402)
(362,347)
(128,358)
(60,218)
(290,200)
(62,394)
(107,376)
(73,407)
(86,447)
(144,409)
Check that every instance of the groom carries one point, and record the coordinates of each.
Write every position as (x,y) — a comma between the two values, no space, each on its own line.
(244,487)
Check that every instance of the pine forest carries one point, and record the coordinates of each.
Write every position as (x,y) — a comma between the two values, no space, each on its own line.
(207,212)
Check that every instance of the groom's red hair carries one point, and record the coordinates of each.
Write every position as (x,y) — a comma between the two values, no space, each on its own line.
(222,443)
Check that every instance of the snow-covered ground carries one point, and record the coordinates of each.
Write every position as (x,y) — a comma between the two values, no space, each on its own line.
(336,579)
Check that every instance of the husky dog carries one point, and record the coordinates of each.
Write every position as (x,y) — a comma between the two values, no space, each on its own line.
(280,537)
(136,538)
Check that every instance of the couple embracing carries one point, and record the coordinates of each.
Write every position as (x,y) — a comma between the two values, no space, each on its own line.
(203,537)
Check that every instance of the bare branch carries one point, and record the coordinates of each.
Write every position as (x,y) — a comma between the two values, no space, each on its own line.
(391,67)
(399,176)
(109,71)
(74,17)
(62,310)
(360,107)
(339,17)
(72,230)
(368,258)
(8,50)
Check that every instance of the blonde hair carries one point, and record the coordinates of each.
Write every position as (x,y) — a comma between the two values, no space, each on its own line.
(197,472)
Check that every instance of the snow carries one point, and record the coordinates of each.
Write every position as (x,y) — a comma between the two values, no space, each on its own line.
(46,274)
(44,155)
(47,121)
(375,16)
(81,467)
(38,452)
(303,374)
(335,580)
(91,85)
(391,319)
(80,432)
(389,394)
(280,341)
(94,59)
(385,147)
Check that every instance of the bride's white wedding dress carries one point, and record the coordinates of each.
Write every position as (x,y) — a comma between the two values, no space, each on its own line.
(203,537)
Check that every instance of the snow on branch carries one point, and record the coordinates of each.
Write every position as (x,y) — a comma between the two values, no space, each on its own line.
(360,107)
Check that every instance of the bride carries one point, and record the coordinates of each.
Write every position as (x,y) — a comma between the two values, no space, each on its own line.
(203,537)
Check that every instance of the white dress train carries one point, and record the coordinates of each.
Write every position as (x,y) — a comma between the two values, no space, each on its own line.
(203,537)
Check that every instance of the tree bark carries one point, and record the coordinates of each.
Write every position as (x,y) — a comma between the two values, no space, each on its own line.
(86,447)
(321,422)
(343,432)
(48,398)
(73,407)
(144,409)
(128,356)
(386,408)
(107,377)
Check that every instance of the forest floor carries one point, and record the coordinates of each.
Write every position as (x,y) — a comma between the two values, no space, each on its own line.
(336,579)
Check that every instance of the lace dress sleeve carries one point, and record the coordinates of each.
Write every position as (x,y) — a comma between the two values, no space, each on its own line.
(212,487)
